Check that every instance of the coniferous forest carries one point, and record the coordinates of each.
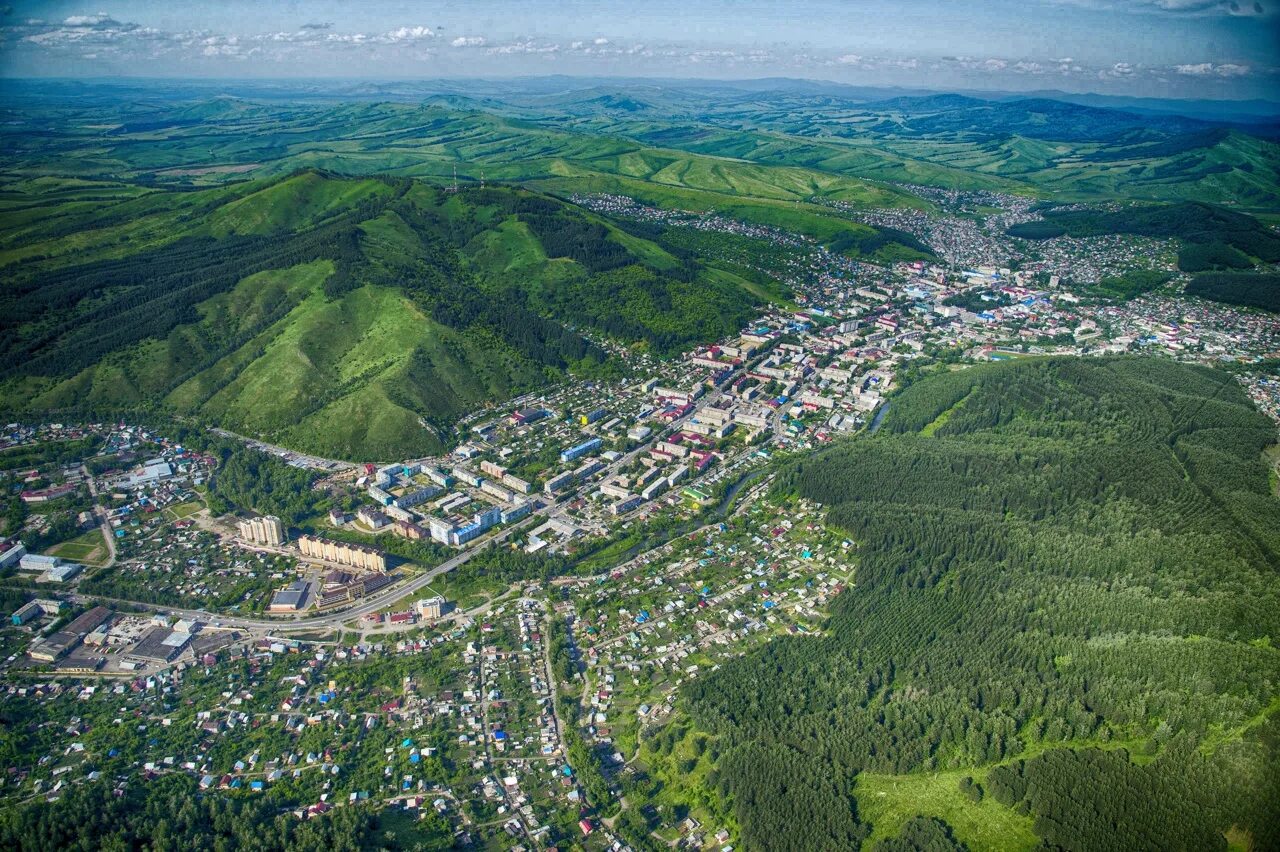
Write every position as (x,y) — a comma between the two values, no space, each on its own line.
(1069,587)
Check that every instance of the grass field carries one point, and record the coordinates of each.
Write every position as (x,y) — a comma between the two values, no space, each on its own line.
(89,548)
(184,510)
(888,801)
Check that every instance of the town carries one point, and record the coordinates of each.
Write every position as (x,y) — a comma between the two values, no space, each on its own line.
(490,642)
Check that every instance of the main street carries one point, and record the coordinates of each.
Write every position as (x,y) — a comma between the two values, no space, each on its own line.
(372,603)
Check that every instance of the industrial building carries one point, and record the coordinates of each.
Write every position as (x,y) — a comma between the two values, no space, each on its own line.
(26,612)
(68,637)
(152,472)
(160,645)
(290,598)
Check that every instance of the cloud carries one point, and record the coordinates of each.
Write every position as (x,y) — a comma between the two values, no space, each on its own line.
(524,46)
(1235,8)
(410,34)
(1209,69)
(130,45)
(99,21)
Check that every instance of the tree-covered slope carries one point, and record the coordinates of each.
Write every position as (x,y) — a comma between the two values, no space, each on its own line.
(1211,236)
(1256,290)
(1077,555)
(352,317)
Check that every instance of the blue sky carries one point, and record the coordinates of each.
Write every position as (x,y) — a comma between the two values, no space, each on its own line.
(1175,48)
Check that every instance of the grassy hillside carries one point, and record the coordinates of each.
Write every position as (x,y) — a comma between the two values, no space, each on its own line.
(1033,146)
(1066,584)
(349,317)
(776,145)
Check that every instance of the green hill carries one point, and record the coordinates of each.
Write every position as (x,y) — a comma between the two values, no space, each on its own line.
(1212,237)
(1066,592)
(350,317)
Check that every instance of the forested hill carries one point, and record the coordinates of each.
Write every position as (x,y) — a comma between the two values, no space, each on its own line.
(1212,237)
(350,317)
(1067,592)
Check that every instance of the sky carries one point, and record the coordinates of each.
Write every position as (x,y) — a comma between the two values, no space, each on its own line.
(1217,49)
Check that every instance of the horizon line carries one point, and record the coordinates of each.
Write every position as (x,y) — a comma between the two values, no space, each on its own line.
(619,77)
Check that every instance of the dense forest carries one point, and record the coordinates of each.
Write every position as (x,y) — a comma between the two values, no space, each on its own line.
(1253,290)
(1081,553)
(168,815)
(1212,237)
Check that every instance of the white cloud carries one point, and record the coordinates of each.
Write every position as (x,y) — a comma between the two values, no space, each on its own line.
(602,41)
(525,46)
(99,20)
(1208,69)
(410,34)
(468,41)
(1235,8)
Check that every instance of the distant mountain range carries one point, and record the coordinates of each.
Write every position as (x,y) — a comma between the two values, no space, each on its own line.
(1255,111)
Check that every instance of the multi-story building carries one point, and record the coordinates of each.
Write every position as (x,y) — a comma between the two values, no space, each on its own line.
(481,522)
(441,530)
(559,482)
(515,483)
(265,529)
(416,496)
(343,553)
(410,530)
(372,517)
(587,468)
(431,607)
(516,511)
(438,476)
(625,505)
(580,450)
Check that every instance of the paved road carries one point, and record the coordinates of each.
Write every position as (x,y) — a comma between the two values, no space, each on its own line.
(104,520)
(373,603)
(329,465)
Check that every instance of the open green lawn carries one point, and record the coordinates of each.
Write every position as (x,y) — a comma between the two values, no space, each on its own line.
(888,801)
(184,510)
(88,548)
